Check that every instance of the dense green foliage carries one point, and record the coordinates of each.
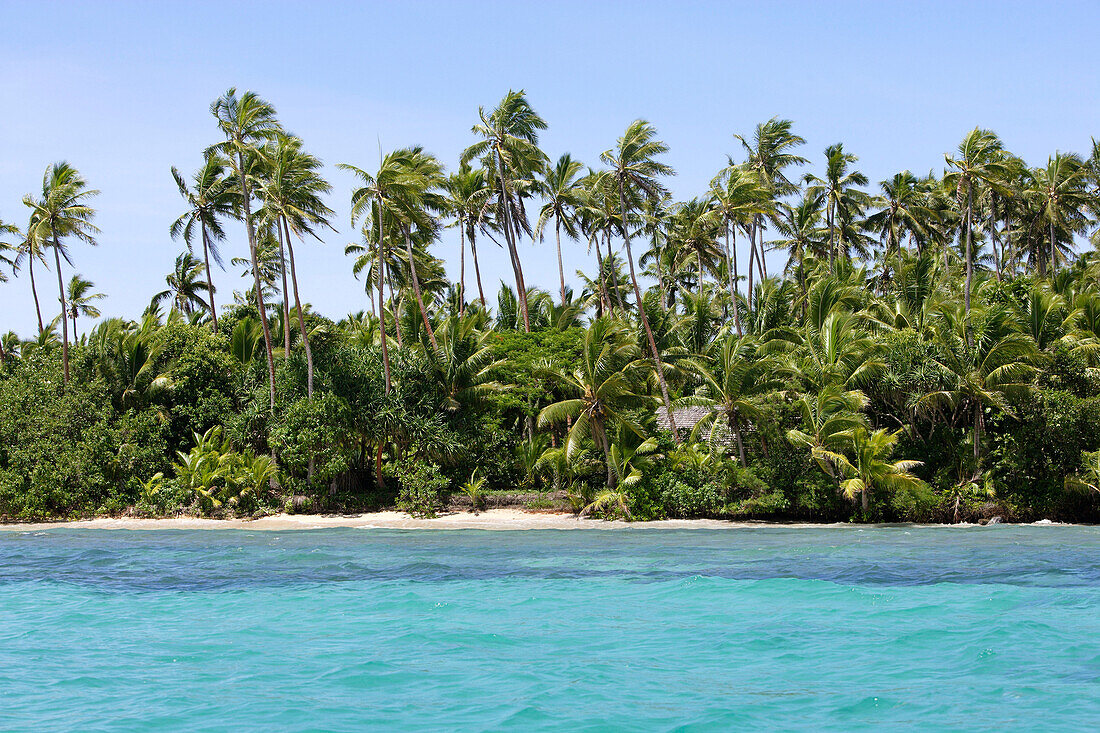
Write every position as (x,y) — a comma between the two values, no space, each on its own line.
(930,351)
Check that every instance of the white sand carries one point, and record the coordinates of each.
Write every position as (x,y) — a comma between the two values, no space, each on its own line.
(505,519)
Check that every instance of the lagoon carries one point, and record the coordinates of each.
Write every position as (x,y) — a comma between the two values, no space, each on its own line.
(975,628)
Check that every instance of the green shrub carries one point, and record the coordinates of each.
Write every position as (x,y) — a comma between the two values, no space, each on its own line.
(422,488)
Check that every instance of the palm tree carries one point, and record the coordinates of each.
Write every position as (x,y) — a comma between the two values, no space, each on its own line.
(213,197)
(769,154)
(732,390)
(694,228)
(1061,193)
(81,299)
(292,193)
(468,197)
(980,159)
(982,364)
(186,285)
(564,194)
(509,149)
(838,190)
(634,169)
(32,249)
(6,259)
(869,468)
(387,198)
(248,121)
(905,213)
(62,212)
(739,197)
(599,391)
(462,364)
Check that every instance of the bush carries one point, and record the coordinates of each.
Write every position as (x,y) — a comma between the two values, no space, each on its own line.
(422,488)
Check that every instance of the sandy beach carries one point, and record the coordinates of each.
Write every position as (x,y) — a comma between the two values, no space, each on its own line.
(495,519)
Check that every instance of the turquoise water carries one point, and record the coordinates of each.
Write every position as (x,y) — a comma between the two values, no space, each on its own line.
(342,630)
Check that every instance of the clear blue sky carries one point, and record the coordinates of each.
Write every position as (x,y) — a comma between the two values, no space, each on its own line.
(122,91)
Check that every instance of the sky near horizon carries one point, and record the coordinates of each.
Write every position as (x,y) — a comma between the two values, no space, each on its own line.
(122,91)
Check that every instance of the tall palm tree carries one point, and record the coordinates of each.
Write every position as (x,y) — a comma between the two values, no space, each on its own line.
(838,189)
(634,168)
(292,192)
(211,197)
(599,391)
(511,156)
(1061,193)
(186,285)
(564,194)
(247,122)
(905,212)
(388,198)
(62,212)
(82,299)
(769,153)
(7,259)
(468,197)
(739,197)
(32,249)
(980,159)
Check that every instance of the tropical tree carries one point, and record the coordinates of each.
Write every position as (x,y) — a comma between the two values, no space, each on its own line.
(599,392)
(82,299)
(186,285)
(211,197)
(635,171)
(509,151)
(980,159)
(468,197)
(247,122)
(1060,191)
(869,467)
(564,194)
(62,212)
(738,198)
(838,191)
(732,390)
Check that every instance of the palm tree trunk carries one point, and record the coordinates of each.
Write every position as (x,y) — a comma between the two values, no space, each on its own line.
(977,435)
(477,271)
(1053,250)
(969,257)
(752,256)
(286,291)
(699,263)
(416,287)
(613,275)
(301,318)
(209,280)
(509,238)
(832,240)
(760,256)
(645,322)
(64,307)
(735,428)
(731,257)
(996,243)
(865,499)
(246,196)
(462,268)
(601,433)
(34,292)
(380,276)
(561,268)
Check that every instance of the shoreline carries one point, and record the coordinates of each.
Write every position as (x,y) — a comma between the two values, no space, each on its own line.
(490,519)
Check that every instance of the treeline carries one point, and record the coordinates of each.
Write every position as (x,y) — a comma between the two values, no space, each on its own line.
(928,352)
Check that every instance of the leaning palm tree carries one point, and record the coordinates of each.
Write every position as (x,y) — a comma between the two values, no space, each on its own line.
(247,121)
(634,171)
(561,189)
(511,156)
(7,259)
(600,391)
(32,249)
(292,192)
(869,467)
(82,300)
(211,197)
(62,212)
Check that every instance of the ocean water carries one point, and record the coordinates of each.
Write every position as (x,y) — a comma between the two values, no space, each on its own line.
(994,628)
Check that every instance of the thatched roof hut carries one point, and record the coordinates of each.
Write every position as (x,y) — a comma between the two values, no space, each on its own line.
(686,420)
